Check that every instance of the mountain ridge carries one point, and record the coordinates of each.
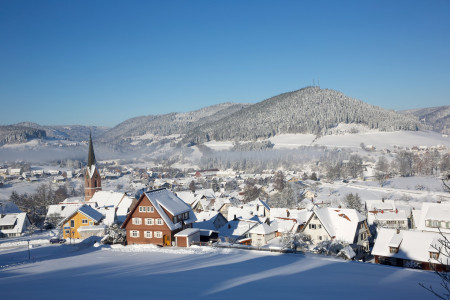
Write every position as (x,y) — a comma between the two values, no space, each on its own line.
(437,117)
(308,110)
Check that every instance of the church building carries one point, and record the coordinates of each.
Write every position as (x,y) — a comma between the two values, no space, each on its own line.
(92,179)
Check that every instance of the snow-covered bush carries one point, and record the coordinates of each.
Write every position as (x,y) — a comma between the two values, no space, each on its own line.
(299,241)
(114,235)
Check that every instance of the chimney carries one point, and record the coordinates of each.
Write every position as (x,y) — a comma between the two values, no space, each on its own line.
(382,200)
(398,230)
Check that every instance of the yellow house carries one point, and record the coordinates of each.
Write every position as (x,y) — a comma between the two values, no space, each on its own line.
(85,218)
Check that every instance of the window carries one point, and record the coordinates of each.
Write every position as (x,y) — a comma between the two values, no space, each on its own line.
(320,226)
(393,249)
(137,221)
(158,234)
(146,209)
(435,223)
(148,234)
(363,236)
(134,233)
(320,237)
(67,231)
(434,255)
(312,226)
(361,226)
(72,223)
(84,221)
(149,221)
(186,215)
(315,217)
(159,221)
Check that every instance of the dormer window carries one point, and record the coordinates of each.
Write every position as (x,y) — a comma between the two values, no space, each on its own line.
(434,255)
(393,249)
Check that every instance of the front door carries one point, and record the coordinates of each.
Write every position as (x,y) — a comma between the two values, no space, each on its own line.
(166,240)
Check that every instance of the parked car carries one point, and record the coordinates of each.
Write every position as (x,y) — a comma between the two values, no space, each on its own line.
(57,241)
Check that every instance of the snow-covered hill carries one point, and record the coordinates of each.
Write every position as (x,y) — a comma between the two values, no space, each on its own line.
(142,272)
(148,128)
(309,110)
(378,140)
(438,118)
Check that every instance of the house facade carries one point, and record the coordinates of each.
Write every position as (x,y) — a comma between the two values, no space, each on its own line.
(433,217)
(346,225)
(82,223)
(411,249)
(157,217)
(13,224)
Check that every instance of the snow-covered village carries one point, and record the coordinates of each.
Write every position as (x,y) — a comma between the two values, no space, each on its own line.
(224,150)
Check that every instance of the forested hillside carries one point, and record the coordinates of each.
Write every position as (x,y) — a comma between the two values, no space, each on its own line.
(436,117)
(13,134)
(172,123)
(309,110)
(76,133)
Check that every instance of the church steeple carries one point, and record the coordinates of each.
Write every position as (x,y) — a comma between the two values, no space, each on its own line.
(91,155)
(92,179)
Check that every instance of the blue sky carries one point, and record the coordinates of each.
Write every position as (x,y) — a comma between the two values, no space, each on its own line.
(102,62)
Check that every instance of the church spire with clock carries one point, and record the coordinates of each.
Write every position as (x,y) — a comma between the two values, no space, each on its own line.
(92,180)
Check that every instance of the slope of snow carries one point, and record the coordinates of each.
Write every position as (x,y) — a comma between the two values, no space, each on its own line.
(379,139)
(173,273)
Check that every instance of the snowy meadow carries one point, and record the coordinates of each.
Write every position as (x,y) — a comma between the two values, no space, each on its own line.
(145,272)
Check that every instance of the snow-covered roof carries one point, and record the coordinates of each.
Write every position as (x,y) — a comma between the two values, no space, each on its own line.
(85,210)
(8,220)
(236,228)
(109,199)
(187,196)
(208,193)
(169,201)
(433,212)
(106,198)
(249,210)
(62,210)
(262,229)
(188,232)
(398,215)
(340,223)
(284,225)
(372,205)
(415,245)
(18,220)
(91,170)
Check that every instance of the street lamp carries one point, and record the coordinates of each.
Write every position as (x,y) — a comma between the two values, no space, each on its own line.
(29,254)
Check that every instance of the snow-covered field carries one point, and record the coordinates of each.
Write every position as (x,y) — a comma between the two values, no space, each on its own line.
(381,140)
(401,189)
(139,272)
